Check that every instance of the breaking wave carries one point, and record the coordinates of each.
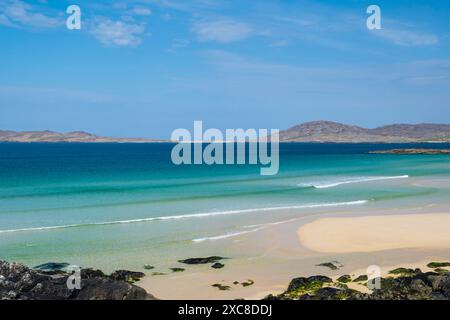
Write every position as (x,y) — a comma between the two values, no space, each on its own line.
(185,216)
(332,184)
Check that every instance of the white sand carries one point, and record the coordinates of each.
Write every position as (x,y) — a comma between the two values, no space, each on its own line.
(376,233)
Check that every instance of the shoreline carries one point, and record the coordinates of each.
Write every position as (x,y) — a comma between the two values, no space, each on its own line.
(272,257)
(266,262)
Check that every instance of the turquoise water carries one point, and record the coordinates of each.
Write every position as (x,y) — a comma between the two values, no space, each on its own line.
(123,205)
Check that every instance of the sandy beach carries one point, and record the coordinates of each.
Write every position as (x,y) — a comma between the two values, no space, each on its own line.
(376,233)
(389,238)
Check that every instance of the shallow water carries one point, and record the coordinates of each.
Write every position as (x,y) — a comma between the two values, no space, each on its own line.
(123,205)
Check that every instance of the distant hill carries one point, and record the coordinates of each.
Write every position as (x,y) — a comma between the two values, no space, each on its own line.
(328,131)
(317,131)
(50,136)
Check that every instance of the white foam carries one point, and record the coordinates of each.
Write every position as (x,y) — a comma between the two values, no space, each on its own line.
(326,185)
(187,216)
(235,234)
(227,235)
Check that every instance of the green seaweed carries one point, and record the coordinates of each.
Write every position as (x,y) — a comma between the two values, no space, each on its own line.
(402,271)
(221,287)
(361,278)
(434,265)
(248,283)
(344,279)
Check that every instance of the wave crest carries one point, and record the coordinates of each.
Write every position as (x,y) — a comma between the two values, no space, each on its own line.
(185,216)
(332,184)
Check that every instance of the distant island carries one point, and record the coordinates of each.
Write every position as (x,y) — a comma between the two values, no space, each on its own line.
(316,131)
(328,131)
(76,136)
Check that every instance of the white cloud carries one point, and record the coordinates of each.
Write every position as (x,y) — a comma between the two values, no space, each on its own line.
(223,31)
(118,33)
(20,14)
(406,37)
(178,44)
(141,11)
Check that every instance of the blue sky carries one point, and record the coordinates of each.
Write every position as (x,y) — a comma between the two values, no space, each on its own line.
(143,68)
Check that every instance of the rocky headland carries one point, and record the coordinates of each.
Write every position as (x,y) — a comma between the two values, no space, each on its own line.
(401,284)
(49,282)
(412,151)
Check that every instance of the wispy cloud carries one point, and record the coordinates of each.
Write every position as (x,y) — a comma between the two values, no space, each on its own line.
(55,93)
(431,72)
(141,11)
(16,13)
(178,44)
(222,31)
(117,33)
(407,37)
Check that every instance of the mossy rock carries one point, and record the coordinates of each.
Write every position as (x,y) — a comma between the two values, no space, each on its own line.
(332,265)
(344,279)
(441,271)
(302,286)
(434,265)
(148,267)
(402,271)
(341,285)
(158,274)
(361,278)
(218,265)
(177,269)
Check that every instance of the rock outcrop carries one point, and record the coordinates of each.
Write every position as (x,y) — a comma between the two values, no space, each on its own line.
(18,282)
(410,285)
(412,151)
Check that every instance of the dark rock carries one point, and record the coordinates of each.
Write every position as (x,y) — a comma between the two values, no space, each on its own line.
(334,265)
(201,260)
(402,271)
(440,270)
(362,278)
(308,283)
(344,279)
(409,285)
(248,283)
(217,265)
(221,287)
(52,267)
(329,293)
(22,283)
(128,276)
(434,265)
(91,273)
(305,286)
(177,269)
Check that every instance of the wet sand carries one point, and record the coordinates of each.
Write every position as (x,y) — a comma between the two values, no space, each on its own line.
(275,255)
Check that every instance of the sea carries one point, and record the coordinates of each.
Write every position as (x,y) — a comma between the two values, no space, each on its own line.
(120,205)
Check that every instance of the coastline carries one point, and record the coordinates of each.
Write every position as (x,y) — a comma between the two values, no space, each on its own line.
(277,256)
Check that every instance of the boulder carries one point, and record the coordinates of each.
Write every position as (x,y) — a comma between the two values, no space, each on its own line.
(18,282)
(206,260)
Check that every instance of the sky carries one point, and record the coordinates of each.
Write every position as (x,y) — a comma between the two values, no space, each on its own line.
(143,68)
